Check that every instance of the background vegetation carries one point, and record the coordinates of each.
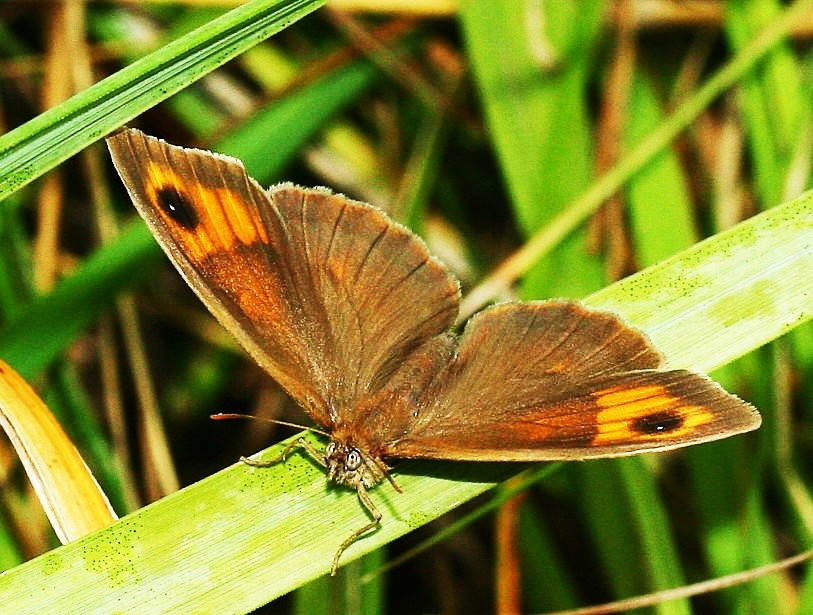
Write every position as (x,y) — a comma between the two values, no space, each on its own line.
(543,149)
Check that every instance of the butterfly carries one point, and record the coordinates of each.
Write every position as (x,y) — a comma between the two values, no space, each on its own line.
(352,316)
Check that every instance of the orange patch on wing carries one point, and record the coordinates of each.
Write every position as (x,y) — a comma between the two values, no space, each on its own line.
(624,411)
(226,219)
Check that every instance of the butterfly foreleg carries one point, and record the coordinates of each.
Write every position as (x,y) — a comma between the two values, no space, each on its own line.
(302,443)
(365,500)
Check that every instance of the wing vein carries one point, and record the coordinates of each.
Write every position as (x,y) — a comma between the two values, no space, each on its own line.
(381,234)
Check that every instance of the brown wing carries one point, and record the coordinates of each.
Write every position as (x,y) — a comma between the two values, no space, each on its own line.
(553,380)
(327,294)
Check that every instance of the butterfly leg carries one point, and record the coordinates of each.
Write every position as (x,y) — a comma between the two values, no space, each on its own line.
(298,443)
(365,500)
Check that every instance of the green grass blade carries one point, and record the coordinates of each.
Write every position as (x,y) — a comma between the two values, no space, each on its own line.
(643,558)
(35,147)
(51,322)
(347,593)
(660,208)
(539,124)
(541,559)
(772,99)
(730,293)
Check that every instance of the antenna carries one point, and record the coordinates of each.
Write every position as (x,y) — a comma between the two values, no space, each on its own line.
(223,416)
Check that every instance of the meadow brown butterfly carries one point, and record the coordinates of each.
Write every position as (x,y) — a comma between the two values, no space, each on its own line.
(349,313)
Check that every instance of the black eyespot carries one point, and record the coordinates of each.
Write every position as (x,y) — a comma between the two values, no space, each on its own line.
(177,207)
(658,423)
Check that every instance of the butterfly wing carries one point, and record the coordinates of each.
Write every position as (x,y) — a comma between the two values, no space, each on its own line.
(326,294)
(553,380)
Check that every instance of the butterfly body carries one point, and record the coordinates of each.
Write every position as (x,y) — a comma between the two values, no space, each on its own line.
(349,313)
(351,466)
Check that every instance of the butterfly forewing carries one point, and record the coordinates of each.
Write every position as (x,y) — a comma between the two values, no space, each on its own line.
(326,294)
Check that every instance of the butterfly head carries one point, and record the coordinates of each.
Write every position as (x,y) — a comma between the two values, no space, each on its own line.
(350,466)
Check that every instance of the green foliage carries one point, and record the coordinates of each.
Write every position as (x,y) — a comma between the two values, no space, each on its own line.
(405,133)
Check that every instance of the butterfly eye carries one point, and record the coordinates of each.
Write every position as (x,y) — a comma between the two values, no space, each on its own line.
(331,448)
(353,460)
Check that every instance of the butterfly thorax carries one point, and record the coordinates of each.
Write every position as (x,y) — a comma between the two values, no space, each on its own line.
(349,465)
